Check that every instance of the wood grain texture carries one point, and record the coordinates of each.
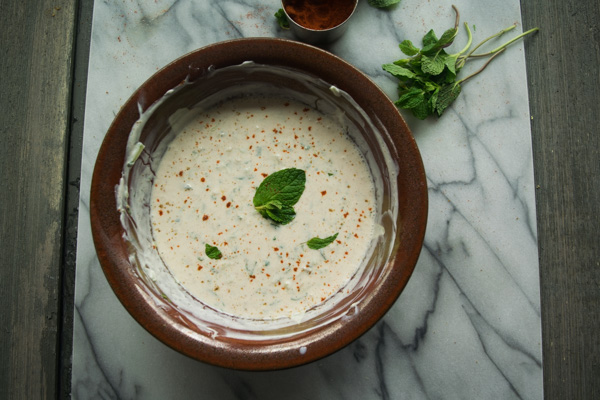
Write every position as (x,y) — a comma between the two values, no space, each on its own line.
(564,88)
(35,69)
(80,71)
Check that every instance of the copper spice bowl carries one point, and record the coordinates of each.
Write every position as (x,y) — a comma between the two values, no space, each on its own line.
(223,341)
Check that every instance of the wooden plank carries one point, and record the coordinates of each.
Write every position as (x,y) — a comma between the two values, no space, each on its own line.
(35,69)
(80,72)
(564,88)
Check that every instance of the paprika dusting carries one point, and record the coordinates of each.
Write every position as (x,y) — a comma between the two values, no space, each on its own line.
(319,14)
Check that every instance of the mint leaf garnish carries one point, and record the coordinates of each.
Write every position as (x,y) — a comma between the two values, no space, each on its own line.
(212,252)
(282,19)
(382,3)
(276,196)
(408,48)
(317,243)
(428,82)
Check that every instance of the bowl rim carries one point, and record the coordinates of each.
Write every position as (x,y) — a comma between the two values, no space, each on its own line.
(107,231)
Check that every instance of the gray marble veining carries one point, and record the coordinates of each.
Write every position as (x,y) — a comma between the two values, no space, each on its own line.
(468,324)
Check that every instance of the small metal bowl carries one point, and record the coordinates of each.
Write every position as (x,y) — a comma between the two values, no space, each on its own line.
(318,36)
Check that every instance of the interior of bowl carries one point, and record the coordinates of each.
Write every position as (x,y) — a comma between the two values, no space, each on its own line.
(124,175)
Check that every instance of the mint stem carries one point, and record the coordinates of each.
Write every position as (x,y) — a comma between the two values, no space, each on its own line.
(500,48)
(469,40)
(457,19)
(480,69)
(463,59)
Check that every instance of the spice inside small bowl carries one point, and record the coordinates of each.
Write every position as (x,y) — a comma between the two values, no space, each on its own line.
(319,21)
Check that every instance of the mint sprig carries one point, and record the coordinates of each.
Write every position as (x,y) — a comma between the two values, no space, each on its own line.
(317,243)
(212,252)
(383,3)
(277,194)
(282,19)
(428,82)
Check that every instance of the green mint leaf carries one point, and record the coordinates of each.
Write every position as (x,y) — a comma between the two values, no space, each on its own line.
(282,19)
(277,194)
(283,215)
(429,40)
(383,3)
(427,85)
(403,62)
(447,37)
(318,243)
(431,44)
(422,110)
(398,71)
(410,98)
(446,97)
(408,48)
(212,252)
(433,99)
(269,206)
(285,186)
(433,65)
(450,62)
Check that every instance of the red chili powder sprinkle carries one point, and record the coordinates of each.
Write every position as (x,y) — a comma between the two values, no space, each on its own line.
(202,180)
(205,217)
(324,192)
(319,14)
(223,198)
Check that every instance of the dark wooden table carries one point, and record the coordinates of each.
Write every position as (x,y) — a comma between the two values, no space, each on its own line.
(43,69)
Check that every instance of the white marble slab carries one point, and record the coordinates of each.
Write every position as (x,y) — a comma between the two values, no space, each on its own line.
(468,324)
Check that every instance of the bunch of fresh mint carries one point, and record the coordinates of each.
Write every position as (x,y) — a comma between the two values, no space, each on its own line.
(428,78)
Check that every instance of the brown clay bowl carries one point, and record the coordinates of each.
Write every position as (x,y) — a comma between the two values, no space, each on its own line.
(206,334)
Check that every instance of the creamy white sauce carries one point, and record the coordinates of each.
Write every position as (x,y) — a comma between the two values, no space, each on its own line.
(203,192)
(133,195)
